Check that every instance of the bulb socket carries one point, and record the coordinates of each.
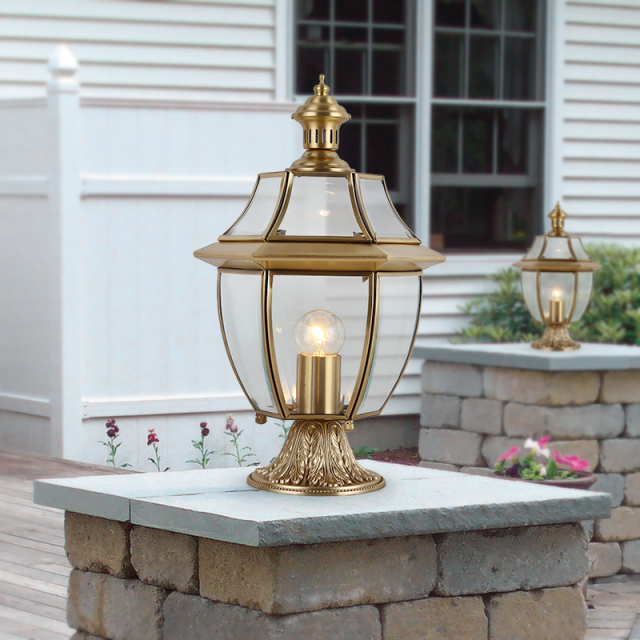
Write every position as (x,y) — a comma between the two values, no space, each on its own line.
(318,385)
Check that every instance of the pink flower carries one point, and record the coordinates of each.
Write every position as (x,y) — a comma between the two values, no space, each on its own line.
(152,437)
(575,463)
(231,425)
(544,441)
(508,454)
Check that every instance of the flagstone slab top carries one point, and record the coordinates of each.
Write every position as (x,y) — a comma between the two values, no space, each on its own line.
(218,504)
(590,357)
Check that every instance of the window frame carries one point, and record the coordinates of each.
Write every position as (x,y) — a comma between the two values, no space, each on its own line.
(405,193)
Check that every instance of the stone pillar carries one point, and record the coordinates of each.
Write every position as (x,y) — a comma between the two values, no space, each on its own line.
(480,400)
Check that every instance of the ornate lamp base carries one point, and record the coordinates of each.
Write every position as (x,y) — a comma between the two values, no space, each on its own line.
(316,459)
(556,338)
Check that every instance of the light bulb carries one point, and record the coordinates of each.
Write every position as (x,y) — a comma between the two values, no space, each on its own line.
(557,292)
(319,333)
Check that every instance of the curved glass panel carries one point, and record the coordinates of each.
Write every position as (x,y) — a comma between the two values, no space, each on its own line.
(556,286)
(383,218)
(530,293)
(261,207)
(293,296)
(578,249)
(399,306)
(534,252)
(320,206)
(241,312)
(585,284)
(557,249)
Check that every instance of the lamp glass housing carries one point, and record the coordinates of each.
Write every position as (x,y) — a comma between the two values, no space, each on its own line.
(319,207)
(398,317)
(240,305)
(259,211)
(347,297)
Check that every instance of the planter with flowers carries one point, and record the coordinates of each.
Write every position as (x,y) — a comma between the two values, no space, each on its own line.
(541,465)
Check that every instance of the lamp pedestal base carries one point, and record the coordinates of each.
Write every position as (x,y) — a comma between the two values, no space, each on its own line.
(556,338)
(316,459)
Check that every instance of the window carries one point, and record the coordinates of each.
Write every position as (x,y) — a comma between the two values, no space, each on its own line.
(487,123)
(366,49)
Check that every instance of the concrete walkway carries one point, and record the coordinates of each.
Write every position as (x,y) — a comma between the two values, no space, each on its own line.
(34,569)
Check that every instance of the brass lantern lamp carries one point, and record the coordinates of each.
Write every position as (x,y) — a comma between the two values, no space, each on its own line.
(319,293)
(557,279)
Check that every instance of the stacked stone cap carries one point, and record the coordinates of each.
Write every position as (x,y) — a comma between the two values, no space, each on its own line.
(218,504)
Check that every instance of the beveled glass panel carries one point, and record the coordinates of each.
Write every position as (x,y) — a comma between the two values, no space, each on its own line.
(557,249)
(536,248)
(241,312)
(380,213)
(398,310)
(556,286)
(295,295)
(578,249)
(585,285)
(530,293)
(261,208)
(320,206)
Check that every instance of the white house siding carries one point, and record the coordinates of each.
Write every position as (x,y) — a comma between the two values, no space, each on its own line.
(601,133)
(202,50)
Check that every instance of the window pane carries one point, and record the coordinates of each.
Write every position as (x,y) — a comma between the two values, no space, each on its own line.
(477,143)
(450,13)
(512,141)
(519,69)
(350,142)
(349,72)
(313,33)
(350,35)
(387,73)
(485,14)
(351,10)
(388,36)
(382,152)
(311,63)
(483,67)
(449,57)
(444,140)
(474,217)
(386,11)
(520,15)
(313,9)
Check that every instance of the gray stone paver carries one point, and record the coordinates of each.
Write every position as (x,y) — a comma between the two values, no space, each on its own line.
(614,610)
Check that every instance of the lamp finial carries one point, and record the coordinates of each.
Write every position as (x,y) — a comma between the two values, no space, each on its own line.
(557,217)
(321,117)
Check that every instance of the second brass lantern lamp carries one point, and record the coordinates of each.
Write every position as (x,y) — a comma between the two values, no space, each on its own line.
(319,293)
(557,278)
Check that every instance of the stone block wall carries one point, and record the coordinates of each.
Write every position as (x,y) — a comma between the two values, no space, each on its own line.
(477,585)
(471,414)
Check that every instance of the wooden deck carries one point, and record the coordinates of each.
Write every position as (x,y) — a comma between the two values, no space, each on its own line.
(33,566)
(34,569)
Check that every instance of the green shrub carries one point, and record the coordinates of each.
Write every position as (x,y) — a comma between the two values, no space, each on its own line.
(613,315)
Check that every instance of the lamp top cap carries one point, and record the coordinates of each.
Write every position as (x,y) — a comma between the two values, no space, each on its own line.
(557,217)
(321,111)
